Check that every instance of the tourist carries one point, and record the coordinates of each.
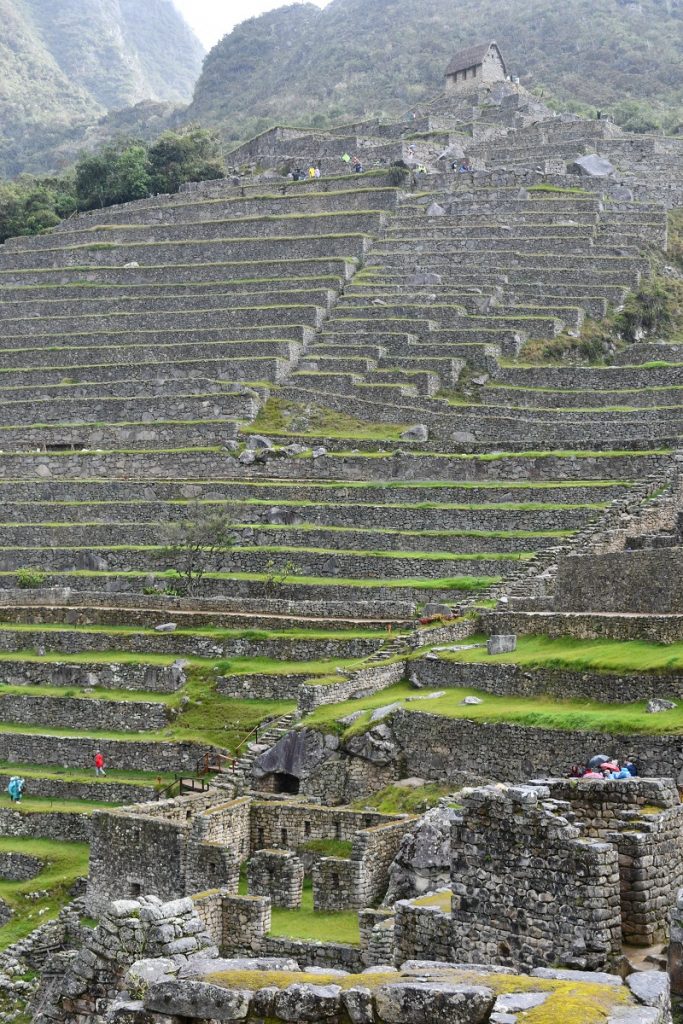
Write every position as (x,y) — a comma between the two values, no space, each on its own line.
(99,764)
(464,167)
(357,165)
(15,788)
(318,172)
(630,764)
(311,172)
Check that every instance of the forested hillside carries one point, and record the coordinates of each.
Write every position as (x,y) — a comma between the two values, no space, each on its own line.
(64,63)
(301,64)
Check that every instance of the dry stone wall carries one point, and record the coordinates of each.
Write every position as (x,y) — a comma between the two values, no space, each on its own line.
(527,890)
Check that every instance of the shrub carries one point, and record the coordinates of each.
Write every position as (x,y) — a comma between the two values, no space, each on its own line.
(30,579)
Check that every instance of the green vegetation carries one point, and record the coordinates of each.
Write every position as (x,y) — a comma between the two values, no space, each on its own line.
(281,417)
(315,926)
(64,863)
(30,579)
(65,66)
(404,799)
(328,847)
(533,712)
(565,1002)
(118,173)
(244,85)
(581,655)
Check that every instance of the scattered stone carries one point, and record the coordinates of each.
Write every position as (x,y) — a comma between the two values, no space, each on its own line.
(593,166)
(480,381)
(417,433)
(463,437)
(166,627)
(422,863)
(380,713)
(435,210)
(651,988)
(434,608)
(247,457)
(502,643)
(317,453)
(657,704)
(472,700)
(131,266)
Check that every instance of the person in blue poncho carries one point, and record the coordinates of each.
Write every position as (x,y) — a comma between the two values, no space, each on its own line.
(15,788)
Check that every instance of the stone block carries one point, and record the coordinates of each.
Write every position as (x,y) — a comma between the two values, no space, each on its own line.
(502,643)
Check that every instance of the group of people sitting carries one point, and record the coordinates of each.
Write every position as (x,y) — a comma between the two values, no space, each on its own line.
(602,767)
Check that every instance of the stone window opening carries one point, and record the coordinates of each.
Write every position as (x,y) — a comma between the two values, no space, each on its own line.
(283,836)
(135,889)
(261,838)
(337,830)
(307,829)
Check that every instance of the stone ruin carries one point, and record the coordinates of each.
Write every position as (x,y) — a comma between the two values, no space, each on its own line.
(377,301)
(150,962)
(206,841)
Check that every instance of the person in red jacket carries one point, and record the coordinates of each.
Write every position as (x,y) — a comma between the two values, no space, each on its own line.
(99,764)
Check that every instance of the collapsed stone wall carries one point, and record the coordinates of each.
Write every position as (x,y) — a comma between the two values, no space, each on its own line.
(527,889)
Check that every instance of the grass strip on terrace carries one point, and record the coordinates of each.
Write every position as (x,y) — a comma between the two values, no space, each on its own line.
(309,528)
(59,773)
(464,583)
(213,632)
(46,805)
(580,655)
(423,556)
(532,712)
(236,666)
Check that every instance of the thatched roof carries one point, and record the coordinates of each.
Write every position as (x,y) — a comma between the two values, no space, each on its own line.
(470,58)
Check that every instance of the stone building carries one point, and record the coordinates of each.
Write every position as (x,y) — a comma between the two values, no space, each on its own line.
(474,66)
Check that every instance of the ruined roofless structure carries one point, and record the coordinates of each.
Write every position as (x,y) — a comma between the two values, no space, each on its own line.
(474,66)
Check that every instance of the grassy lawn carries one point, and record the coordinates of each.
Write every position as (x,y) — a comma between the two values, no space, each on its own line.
(64,863)
(60,774)
(320,926)
(580,655)
(329,847)
(532,712)
(42,804)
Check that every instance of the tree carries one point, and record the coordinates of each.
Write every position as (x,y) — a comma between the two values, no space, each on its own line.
(177,157)
(279,573)
(193,545)
(113,175)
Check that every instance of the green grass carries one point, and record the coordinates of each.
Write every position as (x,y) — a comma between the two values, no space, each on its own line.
(404,800)
(42,805)
(531,712)
(461,583)
(61,774)
(317,926)
(329,847)
(581,655)
(278,416)
(64,863)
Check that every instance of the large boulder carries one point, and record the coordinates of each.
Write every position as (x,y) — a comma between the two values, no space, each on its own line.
(377,745)
(423,862)
(593,166)
(298,753)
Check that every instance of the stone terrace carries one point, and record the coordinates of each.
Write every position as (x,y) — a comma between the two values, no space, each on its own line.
(147,348)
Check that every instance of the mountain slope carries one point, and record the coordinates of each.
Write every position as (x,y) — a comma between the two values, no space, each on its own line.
(356,57)
(63,64)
